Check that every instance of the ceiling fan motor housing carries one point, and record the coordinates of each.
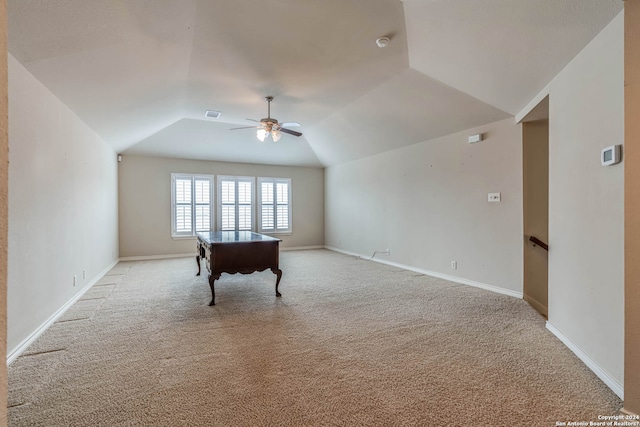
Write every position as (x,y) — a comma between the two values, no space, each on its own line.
(270,123)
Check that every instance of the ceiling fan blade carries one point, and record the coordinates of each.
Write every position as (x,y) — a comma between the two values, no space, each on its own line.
(246,127)
(254,120)
(290,132)
(289,124)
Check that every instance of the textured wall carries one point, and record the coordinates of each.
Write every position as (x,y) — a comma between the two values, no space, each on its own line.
(632,206)
(63,213)
(428,204)
(586,203)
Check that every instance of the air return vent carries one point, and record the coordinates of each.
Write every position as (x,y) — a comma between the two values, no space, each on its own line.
(210,114)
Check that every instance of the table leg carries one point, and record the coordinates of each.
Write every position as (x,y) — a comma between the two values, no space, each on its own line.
(212,279)
(278,273)
(198,262)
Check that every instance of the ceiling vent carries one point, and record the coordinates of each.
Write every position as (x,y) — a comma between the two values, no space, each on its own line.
(210,114)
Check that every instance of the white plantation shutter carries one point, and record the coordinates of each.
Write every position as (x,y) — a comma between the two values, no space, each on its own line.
(282,206)
(275,205)
(202,204)
(245,205)
(267,216)
(182,188)
(235,203)
(283,218)
(227,204)
(267,220)
(190,204)
(183,219)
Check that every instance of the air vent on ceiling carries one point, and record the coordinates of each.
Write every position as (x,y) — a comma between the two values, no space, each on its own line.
(210,114)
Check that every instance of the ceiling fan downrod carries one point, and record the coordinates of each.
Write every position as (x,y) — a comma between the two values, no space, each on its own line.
(269,99)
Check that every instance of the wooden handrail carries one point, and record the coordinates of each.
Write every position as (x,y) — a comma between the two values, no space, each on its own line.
(539,242)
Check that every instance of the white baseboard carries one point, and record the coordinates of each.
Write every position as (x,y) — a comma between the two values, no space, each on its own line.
(154,257)
(455,279)
(20,348)
(301,248)
(623,411)
(606,378)
(537,305)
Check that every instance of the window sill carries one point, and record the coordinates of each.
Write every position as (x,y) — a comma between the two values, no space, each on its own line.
(279,233)
(182,237)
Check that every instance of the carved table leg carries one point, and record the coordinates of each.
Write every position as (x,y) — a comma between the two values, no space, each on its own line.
(212,279)
(278,273)
(198,262)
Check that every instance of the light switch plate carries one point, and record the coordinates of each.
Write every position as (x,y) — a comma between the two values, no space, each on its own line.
(494,197)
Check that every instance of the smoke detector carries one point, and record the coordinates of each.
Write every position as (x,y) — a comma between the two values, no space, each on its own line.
(382,42)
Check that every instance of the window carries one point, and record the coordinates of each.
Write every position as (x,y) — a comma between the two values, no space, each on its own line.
(191,208)
(274,205)
(192,204)
(235,203)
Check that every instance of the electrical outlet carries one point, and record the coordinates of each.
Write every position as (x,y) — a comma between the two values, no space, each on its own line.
(387,251)
(454,265)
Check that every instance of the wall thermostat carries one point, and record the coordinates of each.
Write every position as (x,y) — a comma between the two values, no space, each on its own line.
(610,155)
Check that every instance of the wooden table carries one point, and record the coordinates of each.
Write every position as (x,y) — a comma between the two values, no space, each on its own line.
(234,252)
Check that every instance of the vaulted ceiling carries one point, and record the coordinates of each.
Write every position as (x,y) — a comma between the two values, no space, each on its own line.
(142,73)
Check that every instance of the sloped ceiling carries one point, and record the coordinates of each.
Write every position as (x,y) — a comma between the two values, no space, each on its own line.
(142,73)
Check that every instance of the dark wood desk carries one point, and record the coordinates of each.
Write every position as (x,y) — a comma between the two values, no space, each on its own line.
(234,252)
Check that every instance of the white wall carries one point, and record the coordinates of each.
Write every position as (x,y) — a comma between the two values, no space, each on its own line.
(586,202)
(428,204)
(145,202)
(62,205)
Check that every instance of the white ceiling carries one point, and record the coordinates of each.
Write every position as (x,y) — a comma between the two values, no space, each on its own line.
(142,73)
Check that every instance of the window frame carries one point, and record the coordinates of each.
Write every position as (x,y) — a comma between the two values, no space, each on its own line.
(274,182)
(193,178)
(236,179)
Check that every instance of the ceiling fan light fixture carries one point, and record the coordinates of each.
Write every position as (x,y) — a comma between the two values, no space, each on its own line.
(276,135)
(261,134)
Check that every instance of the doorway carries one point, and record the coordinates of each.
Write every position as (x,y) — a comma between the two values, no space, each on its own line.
(535,156)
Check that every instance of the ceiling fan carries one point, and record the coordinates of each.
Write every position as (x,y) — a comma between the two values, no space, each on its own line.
(270,126)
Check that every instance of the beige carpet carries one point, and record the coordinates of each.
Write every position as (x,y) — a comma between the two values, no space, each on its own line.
(350,343)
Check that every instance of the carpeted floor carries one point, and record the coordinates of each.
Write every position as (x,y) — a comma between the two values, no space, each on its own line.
(350,343)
